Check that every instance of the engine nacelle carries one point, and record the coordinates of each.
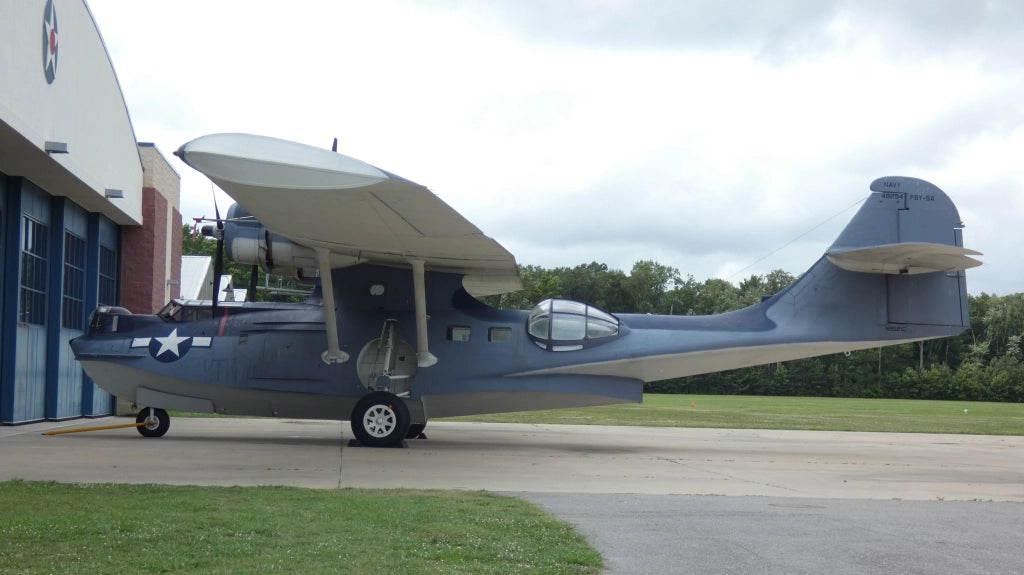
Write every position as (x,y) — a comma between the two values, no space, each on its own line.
(247,242)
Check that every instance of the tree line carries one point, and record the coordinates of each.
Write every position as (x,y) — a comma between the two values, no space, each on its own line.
(985,363)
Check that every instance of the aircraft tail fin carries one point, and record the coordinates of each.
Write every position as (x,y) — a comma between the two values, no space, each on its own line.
(896,272)
(907,226)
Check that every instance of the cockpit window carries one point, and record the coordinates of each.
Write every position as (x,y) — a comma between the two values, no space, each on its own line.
(191,310)
(566,325)
(171,311)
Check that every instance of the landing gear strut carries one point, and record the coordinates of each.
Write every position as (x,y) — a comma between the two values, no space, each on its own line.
(380,419)
(157,422)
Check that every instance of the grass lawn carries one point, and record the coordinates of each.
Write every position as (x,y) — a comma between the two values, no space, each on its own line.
(818,413)
(89,529)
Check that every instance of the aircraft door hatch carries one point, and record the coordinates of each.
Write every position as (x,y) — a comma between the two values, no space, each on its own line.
(387,363)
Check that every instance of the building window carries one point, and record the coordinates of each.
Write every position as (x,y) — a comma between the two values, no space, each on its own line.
(34,253)
(74,282)
(108,276)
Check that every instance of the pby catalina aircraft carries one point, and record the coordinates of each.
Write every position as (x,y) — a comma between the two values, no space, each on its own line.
(393,336)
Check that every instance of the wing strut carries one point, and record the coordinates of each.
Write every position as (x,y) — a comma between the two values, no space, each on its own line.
(423,356)
(333,354)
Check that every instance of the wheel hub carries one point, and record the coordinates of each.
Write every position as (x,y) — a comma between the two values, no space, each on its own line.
(380,420)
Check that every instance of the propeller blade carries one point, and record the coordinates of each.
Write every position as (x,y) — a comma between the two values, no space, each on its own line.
(218,270)
(218,258)
(250,294)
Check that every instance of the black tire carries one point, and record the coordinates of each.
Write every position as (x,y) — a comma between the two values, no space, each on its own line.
(415,430)
(158,422)
(380,419)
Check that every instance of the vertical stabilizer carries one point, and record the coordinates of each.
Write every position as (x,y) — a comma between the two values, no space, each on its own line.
(895,272)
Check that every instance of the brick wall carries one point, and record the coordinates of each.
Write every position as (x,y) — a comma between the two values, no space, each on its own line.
(175,234)
(144,257)
(151,253)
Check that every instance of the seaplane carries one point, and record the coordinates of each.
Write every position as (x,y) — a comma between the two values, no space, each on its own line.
(393,333)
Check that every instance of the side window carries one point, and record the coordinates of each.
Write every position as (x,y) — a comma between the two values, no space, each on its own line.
(457,333)
(499,334)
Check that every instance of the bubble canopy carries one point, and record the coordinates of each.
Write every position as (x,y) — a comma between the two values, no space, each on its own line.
(567,325)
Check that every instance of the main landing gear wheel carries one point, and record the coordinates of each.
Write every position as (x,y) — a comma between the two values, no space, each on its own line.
(380,419)
(157,422)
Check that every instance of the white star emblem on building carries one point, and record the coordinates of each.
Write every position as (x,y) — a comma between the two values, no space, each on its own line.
(50,42)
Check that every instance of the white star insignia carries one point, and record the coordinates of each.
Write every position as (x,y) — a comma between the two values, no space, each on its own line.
(169,343)
(51,35)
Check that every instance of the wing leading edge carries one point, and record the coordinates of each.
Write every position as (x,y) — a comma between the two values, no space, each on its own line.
(325,200)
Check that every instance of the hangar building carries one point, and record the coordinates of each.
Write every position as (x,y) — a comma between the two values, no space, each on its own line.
(88,216)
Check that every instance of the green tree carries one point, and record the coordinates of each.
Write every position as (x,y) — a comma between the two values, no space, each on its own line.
(682,299)
(716,296)
(1004,318)
(777,280)
(588,283)
(647,283)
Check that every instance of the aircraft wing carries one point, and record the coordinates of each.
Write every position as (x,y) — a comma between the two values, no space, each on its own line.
(323,199)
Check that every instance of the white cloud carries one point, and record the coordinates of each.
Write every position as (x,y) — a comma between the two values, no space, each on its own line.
(695,134)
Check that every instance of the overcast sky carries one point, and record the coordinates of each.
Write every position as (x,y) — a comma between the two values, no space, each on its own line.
(704,135)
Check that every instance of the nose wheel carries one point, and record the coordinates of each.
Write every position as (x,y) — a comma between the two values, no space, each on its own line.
(380,419)
(157,422)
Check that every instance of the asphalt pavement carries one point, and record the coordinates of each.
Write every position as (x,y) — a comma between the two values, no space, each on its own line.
(652,500)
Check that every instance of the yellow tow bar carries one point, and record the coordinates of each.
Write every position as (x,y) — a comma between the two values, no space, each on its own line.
(95,428)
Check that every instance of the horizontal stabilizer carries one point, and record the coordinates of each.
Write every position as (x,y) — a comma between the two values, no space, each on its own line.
(905,258)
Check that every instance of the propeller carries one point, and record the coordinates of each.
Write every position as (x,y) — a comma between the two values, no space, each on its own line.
(217,232)
(218,258)
(250,294)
